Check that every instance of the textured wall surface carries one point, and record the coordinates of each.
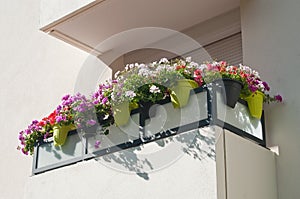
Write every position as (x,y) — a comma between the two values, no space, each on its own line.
(270,30)
(36,70)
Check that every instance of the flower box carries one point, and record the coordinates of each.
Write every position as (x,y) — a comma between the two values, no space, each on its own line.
(206,107)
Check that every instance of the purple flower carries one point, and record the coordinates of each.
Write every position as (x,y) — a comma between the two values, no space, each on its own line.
(21,137)
(97,144)
(59,118)
(27,131)
(104,100)
(34,122)
(101,96)
(266,86)
(46,135)
(66,97)
(58,108)
(278,98)
(96,102)
(24,151)
(252,88)
(96,95)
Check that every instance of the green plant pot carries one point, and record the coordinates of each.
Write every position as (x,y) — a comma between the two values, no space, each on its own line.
(181,92)
(121,113)
(255,104)
(60,133)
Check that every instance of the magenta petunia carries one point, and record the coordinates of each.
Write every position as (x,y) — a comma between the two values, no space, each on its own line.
(278,98)
(266,86)
(104,100)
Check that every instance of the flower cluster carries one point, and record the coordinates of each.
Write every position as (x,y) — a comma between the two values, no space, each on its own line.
(35,131)
(83,111)
(138,83)
(101,100)
(152,82)
(249,78)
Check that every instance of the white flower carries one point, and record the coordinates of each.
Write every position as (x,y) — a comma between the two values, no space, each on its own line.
(113,97)
(170,68)
(117,74)
(163,61)
(255,73)
(202,67)
(187,72)
(144,72)
(142,66)
(214,63)
(194,64)
(160,67)
(188,59)
(130,94)
(154,89)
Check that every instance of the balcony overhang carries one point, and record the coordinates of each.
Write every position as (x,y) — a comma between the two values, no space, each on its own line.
(89,23)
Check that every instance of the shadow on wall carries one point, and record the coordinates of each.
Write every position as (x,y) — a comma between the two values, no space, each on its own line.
(198,144)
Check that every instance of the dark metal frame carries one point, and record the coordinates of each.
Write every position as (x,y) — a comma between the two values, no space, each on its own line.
(212,119)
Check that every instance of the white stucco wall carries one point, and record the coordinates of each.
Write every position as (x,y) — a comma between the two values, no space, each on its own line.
(271,43)
(162,169)
(36,70)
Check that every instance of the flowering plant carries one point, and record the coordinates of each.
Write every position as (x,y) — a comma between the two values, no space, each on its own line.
(152,82)
(35,131)
(101,99)
(138,83)
(63,113)
(83,111)
(254,83)
(249,78)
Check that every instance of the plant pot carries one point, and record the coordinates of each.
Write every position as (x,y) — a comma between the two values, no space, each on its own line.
(232,91)
(147,111)
(121,113)
(181,92)
(255,104)
(104,121)
(60,133)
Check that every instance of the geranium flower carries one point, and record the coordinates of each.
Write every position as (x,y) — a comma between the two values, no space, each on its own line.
(130,94)
(154,89)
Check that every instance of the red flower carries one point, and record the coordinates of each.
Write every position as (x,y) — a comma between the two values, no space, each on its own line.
(42,123)
(197,72)
(52,117)
(180,67)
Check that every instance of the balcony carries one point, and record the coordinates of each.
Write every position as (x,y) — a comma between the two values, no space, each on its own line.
(205,110)
(216,151)
(228,144)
